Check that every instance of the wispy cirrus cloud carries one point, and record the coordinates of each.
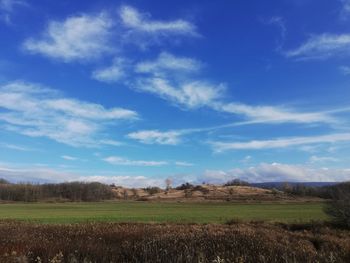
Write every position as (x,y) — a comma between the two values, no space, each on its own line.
(192,94)
(157,137)
(87,37)
(114,73)
(143,22)
(281,142)
(322,159)
(168,62)
(69,158)
(345,9)
(274,114)
(171,78)
(322,46)
(117,160)
(37,111)
(16,147)
(8,7)
(345,70)
(184,164)
(280,23)
(83,37)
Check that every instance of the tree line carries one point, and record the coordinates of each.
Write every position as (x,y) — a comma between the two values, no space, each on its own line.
(72,191)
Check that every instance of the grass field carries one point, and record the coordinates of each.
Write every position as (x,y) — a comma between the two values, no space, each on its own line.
(160,212)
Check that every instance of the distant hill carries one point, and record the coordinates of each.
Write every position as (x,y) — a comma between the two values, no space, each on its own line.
(207,193)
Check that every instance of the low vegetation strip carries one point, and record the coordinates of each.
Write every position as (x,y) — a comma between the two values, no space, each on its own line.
(214,212)
(111,242)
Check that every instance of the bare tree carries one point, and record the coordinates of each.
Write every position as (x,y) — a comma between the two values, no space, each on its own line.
(168,183)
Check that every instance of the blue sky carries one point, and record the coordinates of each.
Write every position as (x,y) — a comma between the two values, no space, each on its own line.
(134,92)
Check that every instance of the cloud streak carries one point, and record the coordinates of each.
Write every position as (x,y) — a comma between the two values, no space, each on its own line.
(322,47)
(8,7)
(157,137)
(116,160)
(280,143)
(37,111)
(143,22)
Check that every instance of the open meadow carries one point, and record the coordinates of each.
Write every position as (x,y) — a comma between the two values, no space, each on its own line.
(197,212)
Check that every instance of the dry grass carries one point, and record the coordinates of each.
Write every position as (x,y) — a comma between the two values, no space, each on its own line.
(108,242)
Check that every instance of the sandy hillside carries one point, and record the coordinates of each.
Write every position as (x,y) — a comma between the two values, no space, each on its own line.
(202,193)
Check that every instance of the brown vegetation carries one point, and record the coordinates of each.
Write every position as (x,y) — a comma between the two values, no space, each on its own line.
(237,242)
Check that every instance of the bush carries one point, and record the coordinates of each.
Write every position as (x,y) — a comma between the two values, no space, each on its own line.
(339,207)
(185,186)
(237,182)
(152,190)
(4,181)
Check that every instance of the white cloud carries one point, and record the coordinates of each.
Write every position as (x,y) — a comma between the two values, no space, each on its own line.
(135,20)
(127,180)
(316,159)
(280,23)
(276,172)
(114,73)
(274,114)
(168,62)
(189,94)
(168,77)
(345,70)
(82,37)
(8,7)
(47,175)
(281,143)
(322,46)
(116,160)
(110,142)
(69,158)
(184,164)
(16,147)
(157,137)
(36,111)
(345,10)
(246,159)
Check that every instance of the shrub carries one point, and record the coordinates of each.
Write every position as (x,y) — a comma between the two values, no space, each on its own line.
(152,190)
(339,207)
(4,181)
(237,182)
(185,186)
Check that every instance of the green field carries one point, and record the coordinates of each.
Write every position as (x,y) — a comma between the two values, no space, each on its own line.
(160,212)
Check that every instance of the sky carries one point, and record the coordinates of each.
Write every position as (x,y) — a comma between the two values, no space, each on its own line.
(135,92)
